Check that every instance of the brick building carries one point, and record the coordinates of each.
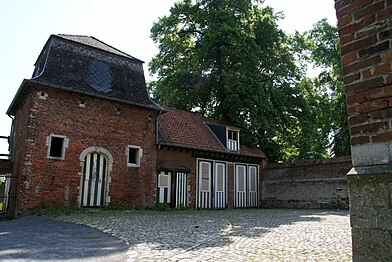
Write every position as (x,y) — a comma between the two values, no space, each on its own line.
(85,132)
(365,31)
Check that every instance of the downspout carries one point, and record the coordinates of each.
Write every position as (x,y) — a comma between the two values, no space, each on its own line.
(156,129)
(11,138)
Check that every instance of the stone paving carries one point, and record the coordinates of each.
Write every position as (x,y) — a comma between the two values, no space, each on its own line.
(38,238)
(227,235)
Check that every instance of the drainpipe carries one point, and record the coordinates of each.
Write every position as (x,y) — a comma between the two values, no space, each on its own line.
(11,138)
(156,129)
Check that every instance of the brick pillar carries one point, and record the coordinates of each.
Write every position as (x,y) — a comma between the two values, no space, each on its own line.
(365,30)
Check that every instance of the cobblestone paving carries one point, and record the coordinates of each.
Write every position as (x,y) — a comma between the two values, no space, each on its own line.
(227,235)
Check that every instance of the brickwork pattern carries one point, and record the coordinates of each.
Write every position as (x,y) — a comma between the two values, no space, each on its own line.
(306,184)
(98,122)
(182,160)
(365,28)
(365,39)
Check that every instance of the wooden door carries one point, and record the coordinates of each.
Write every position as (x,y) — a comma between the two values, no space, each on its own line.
(240,186)
(181,190)
(204,196)
(220,186)
(94,180)
(252,186)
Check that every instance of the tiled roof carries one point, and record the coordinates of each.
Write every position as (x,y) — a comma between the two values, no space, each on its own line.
(96,43)
(189,130)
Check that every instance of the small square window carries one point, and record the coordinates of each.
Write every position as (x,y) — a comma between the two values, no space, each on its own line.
(134,153)
(56,146)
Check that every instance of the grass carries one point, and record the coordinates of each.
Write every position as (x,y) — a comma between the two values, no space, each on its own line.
(56,211)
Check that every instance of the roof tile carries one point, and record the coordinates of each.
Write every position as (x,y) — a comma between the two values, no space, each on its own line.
(184,129)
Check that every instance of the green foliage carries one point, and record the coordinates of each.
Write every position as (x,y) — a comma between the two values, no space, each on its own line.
(229,60)
(161,207)
(55,210)
(117,206)
(324,49)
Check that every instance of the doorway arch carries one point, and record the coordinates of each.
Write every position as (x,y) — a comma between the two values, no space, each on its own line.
(96,164)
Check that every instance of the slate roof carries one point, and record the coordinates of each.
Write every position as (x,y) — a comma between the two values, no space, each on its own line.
(86,65)
(189,130)
(96,43)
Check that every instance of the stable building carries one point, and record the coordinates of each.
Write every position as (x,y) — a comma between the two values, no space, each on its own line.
(85,132)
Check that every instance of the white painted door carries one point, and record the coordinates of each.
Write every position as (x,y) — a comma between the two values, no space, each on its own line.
(220,185)
(204,196)
(240,186)
(252,186)
(94,180)
(181,189)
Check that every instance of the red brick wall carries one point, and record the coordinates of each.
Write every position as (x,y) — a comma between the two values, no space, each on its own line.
(365,30)
(174,159)
(365,39)
(180,160)
(101,123)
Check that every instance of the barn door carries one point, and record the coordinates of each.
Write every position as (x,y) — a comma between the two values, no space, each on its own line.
(220,186)
(240,186)
(252,186)
(94,180)
(204,196)
(181,189)
(173,189)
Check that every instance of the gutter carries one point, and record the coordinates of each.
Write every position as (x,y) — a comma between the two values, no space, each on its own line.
(29,81)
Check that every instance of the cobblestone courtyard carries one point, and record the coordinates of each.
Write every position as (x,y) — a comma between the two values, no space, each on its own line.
(227,235)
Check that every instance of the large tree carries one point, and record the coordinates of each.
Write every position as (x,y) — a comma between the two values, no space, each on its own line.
(320,47)
(228,59)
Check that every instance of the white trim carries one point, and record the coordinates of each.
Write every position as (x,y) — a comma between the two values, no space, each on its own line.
(138,156)
(109,164)
(213,193)
(245,198)
(231,142)
(63,147)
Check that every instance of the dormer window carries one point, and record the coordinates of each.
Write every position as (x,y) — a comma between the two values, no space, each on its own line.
(232,140)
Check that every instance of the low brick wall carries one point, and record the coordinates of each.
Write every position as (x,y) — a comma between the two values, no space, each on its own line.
(306,184)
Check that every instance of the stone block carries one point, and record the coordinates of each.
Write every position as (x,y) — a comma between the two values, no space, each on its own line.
(371,154)
(372,245)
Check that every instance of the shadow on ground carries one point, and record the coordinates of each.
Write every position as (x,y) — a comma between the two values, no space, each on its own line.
(195,229)
(35,238)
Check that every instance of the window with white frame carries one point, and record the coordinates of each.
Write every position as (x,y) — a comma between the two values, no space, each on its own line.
(134,153)
(56,146)
(205,176)
(232,140)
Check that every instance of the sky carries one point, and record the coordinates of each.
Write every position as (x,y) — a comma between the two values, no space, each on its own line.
(26,25)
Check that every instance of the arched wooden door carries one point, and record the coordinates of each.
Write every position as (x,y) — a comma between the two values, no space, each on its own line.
(94,180)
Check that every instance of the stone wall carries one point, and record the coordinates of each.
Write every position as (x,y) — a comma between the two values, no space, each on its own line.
(306,184)
(365,31)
